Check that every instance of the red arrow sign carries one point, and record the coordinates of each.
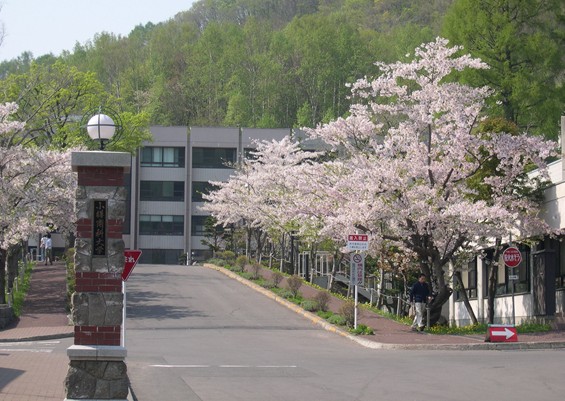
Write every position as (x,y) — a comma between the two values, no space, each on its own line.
(502,334)
(132,256)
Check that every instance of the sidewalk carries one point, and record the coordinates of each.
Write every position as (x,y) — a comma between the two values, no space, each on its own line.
(32,372)
(44,314)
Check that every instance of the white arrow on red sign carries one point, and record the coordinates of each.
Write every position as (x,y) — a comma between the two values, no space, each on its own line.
(502,334)
(131,258)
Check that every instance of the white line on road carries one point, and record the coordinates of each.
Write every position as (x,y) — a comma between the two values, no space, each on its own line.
(45,350)
(225,366)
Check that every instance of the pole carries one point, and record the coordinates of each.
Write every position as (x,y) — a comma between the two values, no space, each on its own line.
(356,303)
(512,284)
(513,307)
(123,339)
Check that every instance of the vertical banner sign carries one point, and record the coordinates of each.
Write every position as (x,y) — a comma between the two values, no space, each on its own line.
(357,274)
(99,227)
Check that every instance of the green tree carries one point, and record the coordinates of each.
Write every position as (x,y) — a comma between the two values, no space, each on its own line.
(52,100)
(213,234)
(519,40)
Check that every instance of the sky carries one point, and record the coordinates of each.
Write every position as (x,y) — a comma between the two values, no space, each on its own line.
(51,26)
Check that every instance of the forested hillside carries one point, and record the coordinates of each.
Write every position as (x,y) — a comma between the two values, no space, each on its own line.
(283,63)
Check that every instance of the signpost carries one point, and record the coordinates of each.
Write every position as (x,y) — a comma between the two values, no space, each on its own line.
(512,257)
(357,242)
(131,258)
(501,333)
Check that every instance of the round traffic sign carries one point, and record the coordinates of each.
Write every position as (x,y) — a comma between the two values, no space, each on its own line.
(512,256)
(357,258)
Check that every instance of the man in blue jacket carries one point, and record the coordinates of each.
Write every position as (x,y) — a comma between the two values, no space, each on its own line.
(419,296)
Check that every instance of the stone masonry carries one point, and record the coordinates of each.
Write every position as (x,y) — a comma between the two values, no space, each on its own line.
(97,369)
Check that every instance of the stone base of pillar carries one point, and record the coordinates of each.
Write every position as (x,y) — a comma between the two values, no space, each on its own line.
(97,373)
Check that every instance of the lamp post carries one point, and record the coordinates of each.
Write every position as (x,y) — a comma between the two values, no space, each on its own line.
(97,368)
(104,126)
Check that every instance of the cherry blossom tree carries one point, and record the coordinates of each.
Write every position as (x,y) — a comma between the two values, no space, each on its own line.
(263,193)
(36,188)
(412,149)
(409,166)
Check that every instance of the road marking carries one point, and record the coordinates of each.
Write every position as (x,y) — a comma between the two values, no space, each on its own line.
(226,366)
(41,346)
(44,350)
(180,366)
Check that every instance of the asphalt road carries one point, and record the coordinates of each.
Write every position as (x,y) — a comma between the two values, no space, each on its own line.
(195,334)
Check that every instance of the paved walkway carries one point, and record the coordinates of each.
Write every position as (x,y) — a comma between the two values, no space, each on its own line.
(37,375)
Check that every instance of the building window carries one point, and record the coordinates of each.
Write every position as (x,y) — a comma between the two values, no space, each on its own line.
(560,270)
(472,279)
(157,156)
(522,271)
(162,191)
(198,226)
(200,188)
(469,279)
(161,225)
(213,157)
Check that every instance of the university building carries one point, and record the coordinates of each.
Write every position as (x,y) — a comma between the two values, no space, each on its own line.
(168,177)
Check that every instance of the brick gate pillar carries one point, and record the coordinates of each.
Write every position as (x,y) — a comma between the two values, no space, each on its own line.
(97,368)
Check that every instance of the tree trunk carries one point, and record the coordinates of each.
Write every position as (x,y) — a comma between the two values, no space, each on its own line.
(493,280)
(437,303)
(12,259)
(492,284)
(3,276)
(457,277)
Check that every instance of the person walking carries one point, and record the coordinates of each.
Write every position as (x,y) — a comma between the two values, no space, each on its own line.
(42,247)
(48,249)
(419,296)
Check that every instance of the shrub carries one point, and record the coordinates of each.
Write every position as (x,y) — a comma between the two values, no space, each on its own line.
(255,268)
(277,277)
(246,275)
(266,284)
(362,330)
(287,294)
(325,314)
(338,320)
(347,310)
(322,300)
(240,262)
(309,305)
(294,283)
(228,256)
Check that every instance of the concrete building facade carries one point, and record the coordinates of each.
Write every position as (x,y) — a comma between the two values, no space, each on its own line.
(168,178)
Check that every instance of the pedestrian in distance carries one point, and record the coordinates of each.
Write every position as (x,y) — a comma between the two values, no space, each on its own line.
(48,249)
(42,247)
(419,297)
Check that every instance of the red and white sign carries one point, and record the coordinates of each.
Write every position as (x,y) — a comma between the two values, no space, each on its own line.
(500,333)
(132,256)
(512,256)
(357,273)
(358,242)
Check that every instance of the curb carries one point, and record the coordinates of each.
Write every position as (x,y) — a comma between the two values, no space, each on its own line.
(385,346)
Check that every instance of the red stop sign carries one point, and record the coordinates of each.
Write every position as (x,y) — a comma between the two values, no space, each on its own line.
(512,256)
